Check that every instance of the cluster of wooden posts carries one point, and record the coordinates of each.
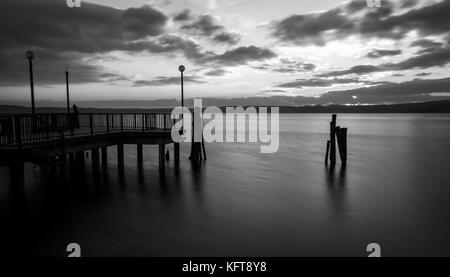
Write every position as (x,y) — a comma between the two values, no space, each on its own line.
(340,135)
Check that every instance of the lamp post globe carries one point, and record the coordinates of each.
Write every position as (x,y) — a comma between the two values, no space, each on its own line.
(29,54)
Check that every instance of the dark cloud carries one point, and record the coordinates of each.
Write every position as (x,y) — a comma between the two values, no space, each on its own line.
(286,66)
(438,57)
(355,6)
(49,68)
(241,55)
(166,81)
(415,90)
(358,70)
(227,38)
(183,15)
(207,26)
(49,24)
(169,44)
(423,74)
(378,53)
(427,46)
(408,3)
(320,82)
(216,72)
(310,28)
(143,21)
(63,37)
(112,77)
(351,19)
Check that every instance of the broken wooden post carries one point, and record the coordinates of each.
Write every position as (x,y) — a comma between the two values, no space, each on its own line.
(333,139)
(338,139)
(344,145)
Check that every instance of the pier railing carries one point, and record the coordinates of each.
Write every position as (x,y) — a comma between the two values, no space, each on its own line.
(22,129)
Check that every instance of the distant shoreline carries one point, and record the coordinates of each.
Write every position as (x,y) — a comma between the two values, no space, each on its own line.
(422,107)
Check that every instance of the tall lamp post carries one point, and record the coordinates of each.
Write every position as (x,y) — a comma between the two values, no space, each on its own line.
(67,92)
(181,68)
(30,56)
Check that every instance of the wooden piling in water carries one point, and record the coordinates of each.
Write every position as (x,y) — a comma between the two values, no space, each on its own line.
(162,162)
(338,140)
(140,158)
(340,135)
(176,153)
(333,139)
(328,151)
(120,160)
(79,157)
(344,145)
(95,158)
(17,176)
(104,155)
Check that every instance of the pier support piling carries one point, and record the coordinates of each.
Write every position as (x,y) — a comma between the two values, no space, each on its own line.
(176,153)
(104,156)
(17,176)
(140,158)
(95,158)
(120,161)
(162,162)
(79,156)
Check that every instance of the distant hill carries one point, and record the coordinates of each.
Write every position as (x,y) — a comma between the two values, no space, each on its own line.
(423,107)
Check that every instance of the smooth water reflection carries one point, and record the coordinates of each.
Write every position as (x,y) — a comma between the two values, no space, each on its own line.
(239,202)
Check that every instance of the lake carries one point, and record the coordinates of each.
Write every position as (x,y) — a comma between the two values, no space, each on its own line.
(394,191)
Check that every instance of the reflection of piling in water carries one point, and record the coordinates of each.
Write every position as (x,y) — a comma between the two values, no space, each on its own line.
(328,151)
(198,152)
(340,135)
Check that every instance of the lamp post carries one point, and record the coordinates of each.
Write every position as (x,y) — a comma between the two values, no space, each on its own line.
(181,68)
(67,92)
(30,56)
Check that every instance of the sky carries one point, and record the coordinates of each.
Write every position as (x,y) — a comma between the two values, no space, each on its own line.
(278,52)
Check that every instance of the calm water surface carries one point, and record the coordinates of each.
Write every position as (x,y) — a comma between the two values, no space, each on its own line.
(394,191)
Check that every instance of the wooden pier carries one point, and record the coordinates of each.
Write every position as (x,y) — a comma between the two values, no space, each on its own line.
(50,139)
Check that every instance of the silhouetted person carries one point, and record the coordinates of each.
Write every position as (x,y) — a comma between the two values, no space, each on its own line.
(75,119)
(167,155)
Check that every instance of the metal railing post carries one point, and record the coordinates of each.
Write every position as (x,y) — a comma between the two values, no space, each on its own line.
(91,124)
(121,122)
(18,130)
(165,122)
(107,123)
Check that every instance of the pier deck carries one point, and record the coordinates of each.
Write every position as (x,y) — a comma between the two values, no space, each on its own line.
(50,139)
